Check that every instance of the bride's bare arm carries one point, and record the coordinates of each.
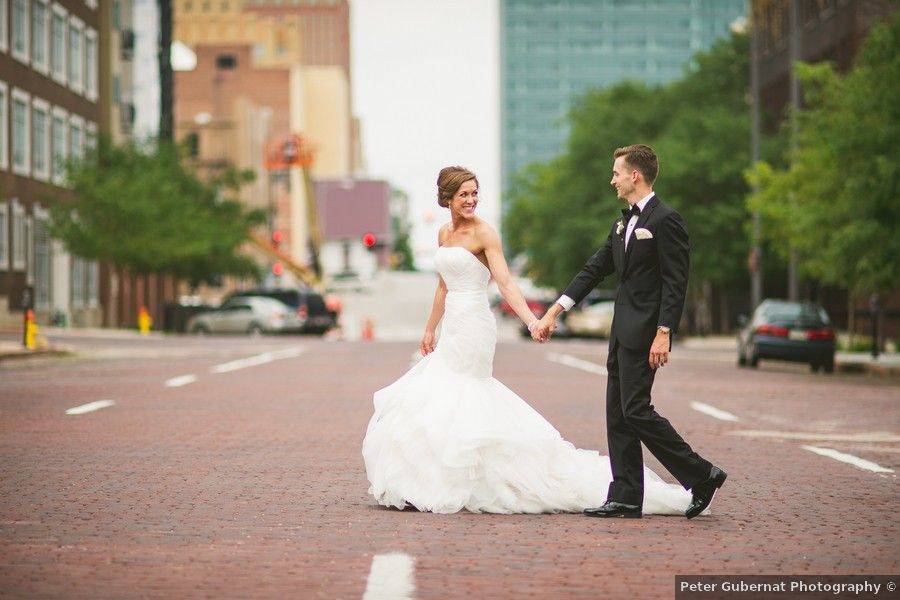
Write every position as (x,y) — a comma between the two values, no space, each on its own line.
(493,249)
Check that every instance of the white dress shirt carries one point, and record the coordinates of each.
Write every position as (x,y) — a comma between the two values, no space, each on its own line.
(566,302)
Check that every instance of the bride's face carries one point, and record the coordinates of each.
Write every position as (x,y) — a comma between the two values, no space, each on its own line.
(465,200)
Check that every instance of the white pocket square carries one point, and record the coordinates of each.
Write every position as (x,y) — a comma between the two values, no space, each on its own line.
(642,234)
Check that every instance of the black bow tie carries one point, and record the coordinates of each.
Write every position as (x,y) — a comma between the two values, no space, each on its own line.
(628,212)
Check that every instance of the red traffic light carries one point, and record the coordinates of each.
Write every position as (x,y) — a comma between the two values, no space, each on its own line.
(277,236)
(369,240)
(277,269)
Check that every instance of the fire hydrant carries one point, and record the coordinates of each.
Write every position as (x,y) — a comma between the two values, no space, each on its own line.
(30,330)
(144,321)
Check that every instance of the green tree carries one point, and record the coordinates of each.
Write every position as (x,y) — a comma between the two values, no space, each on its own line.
(843,173)
(145,211)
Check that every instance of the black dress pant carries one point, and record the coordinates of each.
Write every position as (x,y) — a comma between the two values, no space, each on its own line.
(631,419)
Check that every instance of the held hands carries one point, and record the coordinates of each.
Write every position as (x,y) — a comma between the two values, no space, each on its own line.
(426,346)
(542,330)
(659,350)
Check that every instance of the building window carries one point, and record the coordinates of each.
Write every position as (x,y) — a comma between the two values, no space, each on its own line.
(76,137)
(43,259)
(78,295)
(40,21)
(59,144)
(58,30)
(90,50)
(40,139)
(75,71)
(4,25)
(19,237)
(93,284)
(90,138)
(21,129)
(4,236)
(19,24)
(4,126)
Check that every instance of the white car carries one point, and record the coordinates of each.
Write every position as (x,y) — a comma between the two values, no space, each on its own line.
(247,314)
(593,320)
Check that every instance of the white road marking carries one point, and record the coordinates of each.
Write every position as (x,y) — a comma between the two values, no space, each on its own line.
(712,411)
(85,408)
(259,359)
(873,437)
(391,577)
(577,363)
(849,459)
(180,381)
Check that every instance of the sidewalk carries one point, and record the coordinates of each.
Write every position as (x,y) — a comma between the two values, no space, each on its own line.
(845,362)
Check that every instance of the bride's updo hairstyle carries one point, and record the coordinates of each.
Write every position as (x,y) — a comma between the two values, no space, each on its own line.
(448,182)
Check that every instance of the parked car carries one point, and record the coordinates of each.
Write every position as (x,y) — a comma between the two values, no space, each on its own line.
(791,331)
(253,315)
(317,313)
(594,320)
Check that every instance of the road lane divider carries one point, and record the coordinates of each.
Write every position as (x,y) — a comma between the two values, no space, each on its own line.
(258,359)
(712,411)
(89,407)
(856,461)
(180,381)
(577,363)
(873,437)
(391,576)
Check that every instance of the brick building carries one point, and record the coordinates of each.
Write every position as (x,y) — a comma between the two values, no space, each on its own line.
(49,110)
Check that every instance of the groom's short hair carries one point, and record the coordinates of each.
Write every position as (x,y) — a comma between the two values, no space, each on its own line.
(641,158)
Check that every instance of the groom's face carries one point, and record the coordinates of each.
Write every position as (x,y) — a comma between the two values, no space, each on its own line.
(622,178)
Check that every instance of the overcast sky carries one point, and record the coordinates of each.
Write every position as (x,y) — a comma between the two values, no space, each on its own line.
(426,89)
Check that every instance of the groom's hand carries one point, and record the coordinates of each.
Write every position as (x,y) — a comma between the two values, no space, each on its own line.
(545,328)
(659,350)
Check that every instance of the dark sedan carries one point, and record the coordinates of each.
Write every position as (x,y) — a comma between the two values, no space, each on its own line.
(790,331)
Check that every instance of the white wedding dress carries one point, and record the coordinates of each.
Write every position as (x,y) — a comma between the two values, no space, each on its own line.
(447,436)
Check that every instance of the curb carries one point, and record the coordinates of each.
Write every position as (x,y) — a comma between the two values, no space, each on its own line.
(867,368)
(23,354)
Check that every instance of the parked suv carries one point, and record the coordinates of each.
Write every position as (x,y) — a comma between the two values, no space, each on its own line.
(309,305)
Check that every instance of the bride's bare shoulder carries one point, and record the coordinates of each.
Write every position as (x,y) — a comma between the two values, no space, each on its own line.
(485,233)
(443,233)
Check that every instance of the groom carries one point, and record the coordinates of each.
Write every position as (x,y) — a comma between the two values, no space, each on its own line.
(648,249)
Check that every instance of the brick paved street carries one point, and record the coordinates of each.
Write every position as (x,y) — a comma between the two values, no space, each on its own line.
(250,482)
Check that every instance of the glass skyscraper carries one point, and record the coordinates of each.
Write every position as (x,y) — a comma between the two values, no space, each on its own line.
(554,50)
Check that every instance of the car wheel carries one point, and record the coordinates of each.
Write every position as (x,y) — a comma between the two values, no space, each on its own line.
(814,367)
(200,330)
(753,361)
(255,330)
(829,366)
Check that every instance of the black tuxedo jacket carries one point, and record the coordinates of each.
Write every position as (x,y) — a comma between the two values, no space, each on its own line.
(653,275)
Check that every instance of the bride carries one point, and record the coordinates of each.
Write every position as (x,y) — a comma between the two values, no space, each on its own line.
(447,436)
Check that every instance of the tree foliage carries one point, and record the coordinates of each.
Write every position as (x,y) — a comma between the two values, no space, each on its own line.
(145,210)
(843,172)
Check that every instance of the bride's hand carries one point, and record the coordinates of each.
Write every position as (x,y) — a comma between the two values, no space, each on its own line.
(426,346)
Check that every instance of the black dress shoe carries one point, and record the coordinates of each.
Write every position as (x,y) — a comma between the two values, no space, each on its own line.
(702,493)
(615,509)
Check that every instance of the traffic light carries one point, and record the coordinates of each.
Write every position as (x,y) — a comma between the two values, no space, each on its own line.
(277,269)
(369,240)
(277,236)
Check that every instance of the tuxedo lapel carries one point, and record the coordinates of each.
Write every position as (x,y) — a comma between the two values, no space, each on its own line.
(642,220)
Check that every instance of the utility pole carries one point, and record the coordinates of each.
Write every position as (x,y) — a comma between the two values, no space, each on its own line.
(795,56)
(166,117)
(756,250)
